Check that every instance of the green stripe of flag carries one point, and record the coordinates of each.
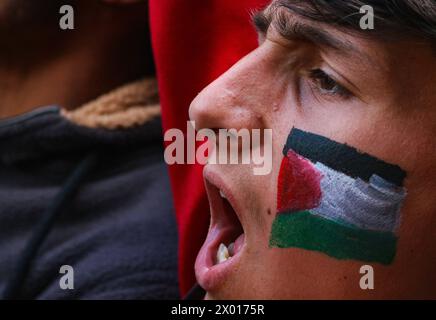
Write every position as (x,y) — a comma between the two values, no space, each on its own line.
(312,232)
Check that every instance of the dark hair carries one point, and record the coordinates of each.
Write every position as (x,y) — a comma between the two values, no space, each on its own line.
(392,18)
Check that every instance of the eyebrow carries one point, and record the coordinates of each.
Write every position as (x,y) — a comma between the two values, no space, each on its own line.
(292,29)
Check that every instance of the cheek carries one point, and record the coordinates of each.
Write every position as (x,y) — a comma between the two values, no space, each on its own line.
(336,200)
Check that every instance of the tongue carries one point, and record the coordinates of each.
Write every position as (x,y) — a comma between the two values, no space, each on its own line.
(238,244)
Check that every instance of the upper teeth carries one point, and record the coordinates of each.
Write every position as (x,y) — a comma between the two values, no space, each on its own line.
(222,194)
(224,253)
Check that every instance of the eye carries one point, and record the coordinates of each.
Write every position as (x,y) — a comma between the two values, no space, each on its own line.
(327,85)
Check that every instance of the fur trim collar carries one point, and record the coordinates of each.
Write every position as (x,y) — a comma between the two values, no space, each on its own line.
(128,106)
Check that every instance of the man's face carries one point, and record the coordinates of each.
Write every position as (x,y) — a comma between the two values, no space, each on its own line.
(375,96)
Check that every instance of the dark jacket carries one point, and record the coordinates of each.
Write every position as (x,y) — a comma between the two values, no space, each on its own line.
(75,193)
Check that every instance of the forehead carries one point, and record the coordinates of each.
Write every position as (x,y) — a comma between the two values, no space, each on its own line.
(277,20)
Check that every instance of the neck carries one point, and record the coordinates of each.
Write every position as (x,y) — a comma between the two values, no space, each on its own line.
(82,72)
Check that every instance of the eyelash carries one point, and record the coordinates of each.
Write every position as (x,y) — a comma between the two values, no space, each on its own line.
(326,85)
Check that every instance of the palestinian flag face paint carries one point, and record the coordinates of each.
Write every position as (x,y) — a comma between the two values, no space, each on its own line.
(333,199)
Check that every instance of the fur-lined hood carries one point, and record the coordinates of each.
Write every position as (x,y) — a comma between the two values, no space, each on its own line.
(128,106)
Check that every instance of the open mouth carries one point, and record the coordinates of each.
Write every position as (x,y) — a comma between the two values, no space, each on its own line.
(225,241)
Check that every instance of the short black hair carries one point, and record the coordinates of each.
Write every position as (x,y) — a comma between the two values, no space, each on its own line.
(392,18)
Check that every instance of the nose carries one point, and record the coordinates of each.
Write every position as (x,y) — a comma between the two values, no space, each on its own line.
(236,99)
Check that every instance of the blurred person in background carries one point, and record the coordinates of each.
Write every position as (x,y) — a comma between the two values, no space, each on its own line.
(83,182)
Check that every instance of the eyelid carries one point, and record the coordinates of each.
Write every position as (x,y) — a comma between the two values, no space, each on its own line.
(342,91)
(335,75)
(338,82)
(338,79)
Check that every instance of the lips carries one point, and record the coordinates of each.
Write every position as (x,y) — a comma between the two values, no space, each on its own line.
(225,242)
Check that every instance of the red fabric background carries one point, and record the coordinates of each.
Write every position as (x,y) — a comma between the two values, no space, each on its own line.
(194,41)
